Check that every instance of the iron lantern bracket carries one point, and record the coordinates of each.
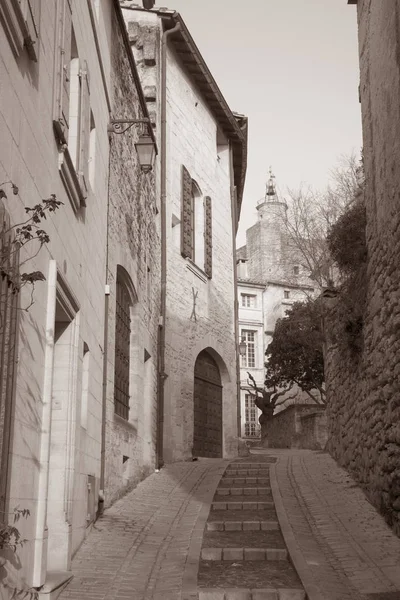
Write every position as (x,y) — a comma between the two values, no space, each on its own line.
(116,125)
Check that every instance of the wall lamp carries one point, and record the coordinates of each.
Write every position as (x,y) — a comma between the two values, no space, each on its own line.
(145,146)
(242,347)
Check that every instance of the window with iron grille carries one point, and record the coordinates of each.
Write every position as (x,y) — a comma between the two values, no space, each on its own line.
(248,300)
(251,427)
(249,360)
(122,351)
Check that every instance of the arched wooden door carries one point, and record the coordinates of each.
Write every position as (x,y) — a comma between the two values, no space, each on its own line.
(207,439)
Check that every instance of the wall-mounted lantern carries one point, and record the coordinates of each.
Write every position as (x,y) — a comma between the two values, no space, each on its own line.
(145,147)
(242,347)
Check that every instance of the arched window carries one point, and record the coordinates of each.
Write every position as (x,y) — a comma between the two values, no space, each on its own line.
(122,348)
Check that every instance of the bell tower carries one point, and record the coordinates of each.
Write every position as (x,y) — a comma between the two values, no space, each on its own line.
(265,241)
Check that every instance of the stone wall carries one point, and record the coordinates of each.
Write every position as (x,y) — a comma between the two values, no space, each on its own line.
(134,246)
(298,426)
(192,141)
(363,388)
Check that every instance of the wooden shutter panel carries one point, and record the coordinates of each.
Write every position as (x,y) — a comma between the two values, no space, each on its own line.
(84,130)
(62,75)
(187,232)
(32,25)
(208,237)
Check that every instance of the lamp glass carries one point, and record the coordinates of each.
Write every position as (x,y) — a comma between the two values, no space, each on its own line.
(242,348)
(146,152)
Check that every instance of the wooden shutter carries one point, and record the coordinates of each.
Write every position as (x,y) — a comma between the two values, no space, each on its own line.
(187,220)
(62,75)
(208,237)
(32,13)
(84,130)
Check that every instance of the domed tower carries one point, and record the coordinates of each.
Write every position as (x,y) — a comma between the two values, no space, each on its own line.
(266,240)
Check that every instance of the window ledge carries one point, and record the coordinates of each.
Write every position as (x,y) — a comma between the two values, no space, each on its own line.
(124,423)
(70,180)
(196,270)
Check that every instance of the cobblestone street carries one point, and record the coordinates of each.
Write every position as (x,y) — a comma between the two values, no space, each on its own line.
(148,545)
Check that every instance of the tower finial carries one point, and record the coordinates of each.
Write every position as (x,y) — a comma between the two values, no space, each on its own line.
(270,188)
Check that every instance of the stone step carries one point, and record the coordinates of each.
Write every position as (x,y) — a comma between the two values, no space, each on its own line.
(243,491)
(251,465)
(221,554)
(242,526)
(246,472)
(242,505)
(251,594)
(244,481)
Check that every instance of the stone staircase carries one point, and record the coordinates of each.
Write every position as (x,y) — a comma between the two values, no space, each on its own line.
(243,556)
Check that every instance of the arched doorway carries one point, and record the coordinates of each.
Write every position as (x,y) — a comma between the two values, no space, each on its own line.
(207,438)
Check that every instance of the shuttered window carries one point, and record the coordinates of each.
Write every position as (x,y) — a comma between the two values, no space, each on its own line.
(62,70)
(196,224)
(21,25)
(72,112)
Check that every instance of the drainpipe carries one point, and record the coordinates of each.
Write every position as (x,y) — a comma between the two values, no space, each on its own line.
(101,499)
(161,327)
(40,548)
(234,211)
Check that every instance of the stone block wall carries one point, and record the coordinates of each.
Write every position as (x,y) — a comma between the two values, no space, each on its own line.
(134,246)
(364,389)
(291,429)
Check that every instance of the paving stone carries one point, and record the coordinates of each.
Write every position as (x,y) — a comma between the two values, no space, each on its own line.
(215,526)
(233,525)
(264,594)
(211,594)
(235,505)
(250,491)
(276,554)
(236,491)
(211,553)
(251,525)
(265,505)
(223,492)
(232,554)
(219,506)
(269,525)
(237,594)
(287,594)
(254,554)
(251,506)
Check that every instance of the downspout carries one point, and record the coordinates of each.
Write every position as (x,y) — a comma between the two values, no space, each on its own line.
(40,548)
(101,499)
(236,309)
(161,328)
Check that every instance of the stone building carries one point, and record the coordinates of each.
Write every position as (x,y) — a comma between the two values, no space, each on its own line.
(200,184)
(270,280)
(363,388)
(65,66)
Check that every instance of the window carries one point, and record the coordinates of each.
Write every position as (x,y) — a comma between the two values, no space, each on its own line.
(249,359)
(72,118)
(92,151)
(286,295)
(251,426)
(122,350)
(296,270)
(249,300)
(21,21)
(196,224)
(85,386)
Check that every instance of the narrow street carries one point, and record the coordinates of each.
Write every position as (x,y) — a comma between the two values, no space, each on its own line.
(195,530)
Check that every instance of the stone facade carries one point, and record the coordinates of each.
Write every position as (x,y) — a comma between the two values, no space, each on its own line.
(363,389)
(200,309)
(51,461)
(134,254)
(270,280)
(298,426)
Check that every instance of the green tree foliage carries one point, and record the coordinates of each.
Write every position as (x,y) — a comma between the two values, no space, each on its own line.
(295,355)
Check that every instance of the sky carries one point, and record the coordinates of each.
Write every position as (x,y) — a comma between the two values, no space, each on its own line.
(292,67)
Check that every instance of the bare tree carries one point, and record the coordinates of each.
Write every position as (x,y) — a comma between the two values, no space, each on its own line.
(310,216)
